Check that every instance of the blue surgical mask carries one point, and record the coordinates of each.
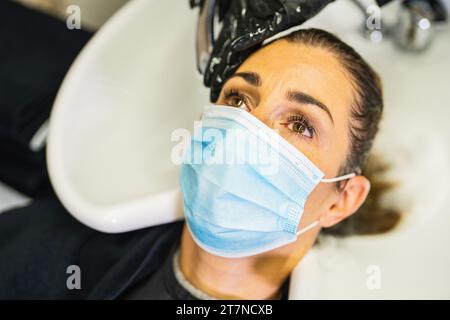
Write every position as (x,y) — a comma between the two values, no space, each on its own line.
(244,187)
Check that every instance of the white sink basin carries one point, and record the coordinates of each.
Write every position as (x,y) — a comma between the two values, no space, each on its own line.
(413,261)
(110,142)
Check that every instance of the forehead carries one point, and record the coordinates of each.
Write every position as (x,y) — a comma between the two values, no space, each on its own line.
(316,71)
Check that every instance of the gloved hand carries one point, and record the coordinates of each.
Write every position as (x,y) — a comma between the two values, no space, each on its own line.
(245,25)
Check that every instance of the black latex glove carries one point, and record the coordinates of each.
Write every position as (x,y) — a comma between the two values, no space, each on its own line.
(245,25)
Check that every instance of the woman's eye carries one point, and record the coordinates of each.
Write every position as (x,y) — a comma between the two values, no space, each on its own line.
(301,127)
(237,100)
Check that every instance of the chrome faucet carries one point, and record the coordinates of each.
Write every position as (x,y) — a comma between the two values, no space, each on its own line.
(415,23)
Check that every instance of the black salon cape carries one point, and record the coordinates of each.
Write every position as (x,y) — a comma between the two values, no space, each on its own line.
(39,242)
(36,51)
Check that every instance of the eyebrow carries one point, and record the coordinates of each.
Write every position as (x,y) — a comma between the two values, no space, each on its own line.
(251,78)
(304,98)
(254,79)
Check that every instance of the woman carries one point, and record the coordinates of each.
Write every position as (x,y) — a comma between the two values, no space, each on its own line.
(324,101)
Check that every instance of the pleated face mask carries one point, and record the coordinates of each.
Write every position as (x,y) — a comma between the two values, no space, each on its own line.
(244,187)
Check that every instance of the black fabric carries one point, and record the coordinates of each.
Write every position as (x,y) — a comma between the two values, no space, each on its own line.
(39,242)
(26,175)
(36,51)
(163,285)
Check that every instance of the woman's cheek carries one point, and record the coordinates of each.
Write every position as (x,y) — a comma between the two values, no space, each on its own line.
(319,201)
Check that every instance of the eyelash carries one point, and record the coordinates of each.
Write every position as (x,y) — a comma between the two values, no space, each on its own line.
(304,122)
(234,93)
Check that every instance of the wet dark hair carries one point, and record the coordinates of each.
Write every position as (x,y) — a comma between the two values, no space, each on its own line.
(365,116)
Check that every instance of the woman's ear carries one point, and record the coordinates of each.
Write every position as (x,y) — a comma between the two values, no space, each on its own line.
(348,201)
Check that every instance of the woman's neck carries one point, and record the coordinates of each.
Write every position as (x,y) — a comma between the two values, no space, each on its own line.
(257,277)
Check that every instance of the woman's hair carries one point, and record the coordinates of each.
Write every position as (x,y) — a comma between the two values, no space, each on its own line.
(365,116)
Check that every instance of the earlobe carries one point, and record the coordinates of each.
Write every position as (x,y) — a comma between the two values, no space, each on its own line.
(348,201)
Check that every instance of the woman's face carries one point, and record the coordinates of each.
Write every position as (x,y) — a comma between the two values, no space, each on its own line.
(304,93)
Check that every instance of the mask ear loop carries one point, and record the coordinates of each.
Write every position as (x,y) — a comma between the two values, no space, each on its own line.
(307,228)
(347,176)
(315,223)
